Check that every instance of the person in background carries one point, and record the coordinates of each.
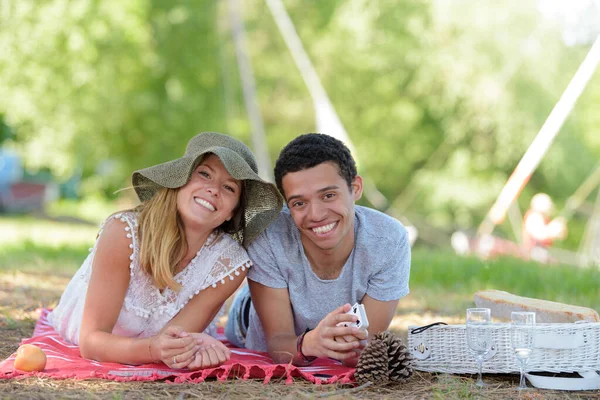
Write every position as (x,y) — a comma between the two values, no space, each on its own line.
(321,255)
(159,274)
(539,230)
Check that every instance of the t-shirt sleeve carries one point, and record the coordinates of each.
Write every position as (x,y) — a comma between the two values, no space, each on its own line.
(391,281)
(265,270)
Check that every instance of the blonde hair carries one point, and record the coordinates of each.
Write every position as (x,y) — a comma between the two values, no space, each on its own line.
(162,237)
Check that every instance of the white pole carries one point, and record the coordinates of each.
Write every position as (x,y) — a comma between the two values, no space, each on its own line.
(249,89)
(327,118)
(582,193)
(542,141)
(294,44)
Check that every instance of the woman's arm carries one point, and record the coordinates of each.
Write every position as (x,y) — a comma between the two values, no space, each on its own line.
(104,300)
(197,315)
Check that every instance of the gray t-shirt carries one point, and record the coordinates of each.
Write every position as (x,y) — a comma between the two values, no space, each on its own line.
(379,266)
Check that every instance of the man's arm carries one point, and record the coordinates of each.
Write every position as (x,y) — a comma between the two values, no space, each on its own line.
(390,283)
(379,313)
(274,310)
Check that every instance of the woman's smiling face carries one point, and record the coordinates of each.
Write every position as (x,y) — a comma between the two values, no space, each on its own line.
(210,197)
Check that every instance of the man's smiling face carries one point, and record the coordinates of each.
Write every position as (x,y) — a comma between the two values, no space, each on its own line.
(322,206)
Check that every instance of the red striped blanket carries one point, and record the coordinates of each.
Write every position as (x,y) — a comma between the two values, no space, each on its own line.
(64,362)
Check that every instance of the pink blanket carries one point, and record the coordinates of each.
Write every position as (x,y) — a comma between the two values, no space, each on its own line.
(64,361)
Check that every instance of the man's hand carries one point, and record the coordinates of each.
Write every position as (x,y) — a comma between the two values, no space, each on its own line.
(360,311)
(212,352)
(361,338)
(210,357)
(322,341)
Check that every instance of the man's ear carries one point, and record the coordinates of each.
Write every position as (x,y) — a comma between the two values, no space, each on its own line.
(357,187)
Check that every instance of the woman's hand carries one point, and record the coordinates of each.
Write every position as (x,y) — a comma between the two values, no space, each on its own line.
(212,352)
(175,347)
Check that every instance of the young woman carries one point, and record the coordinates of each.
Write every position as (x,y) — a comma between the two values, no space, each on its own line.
(159,274)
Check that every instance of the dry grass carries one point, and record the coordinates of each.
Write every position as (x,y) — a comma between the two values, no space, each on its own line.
(23,295)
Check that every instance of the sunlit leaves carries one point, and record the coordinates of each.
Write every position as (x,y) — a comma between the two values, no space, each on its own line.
(441,99)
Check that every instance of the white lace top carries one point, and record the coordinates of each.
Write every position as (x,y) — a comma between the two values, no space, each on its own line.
(146,310)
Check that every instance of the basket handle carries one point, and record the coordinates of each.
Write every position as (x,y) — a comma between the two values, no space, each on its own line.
(424,328)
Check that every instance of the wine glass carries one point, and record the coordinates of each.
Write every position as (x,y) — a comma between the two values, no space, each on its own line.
(522,329)
(479,335)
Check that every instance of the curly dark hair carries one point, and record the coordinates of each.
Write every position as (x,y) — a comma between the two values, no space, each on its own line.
(311,149)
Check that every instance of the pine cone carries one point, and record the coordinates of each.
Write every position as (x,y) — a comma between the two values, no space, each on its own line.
(373,363)
(400,364)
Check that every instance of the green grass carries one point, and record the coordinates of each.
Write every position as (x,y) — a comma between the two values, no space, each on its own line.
(439,276)
(15,230)
(31,257)
(28,244)
(93,208)
(451,387)
(441,281)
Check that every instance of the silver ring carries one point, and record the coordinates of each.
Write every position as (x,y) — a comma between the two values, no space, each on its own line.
(174,360)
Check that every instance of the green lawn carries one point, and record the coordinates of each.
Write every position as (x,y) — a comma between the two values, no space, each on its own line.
(438,275)
(440,281)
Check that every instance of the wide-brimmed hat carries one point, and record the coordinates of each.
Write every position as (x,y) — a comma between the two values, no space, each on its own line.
(263,201)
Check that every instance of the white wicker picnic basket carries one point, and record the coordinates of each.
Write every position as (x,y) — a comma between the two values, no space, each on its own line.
(569,347)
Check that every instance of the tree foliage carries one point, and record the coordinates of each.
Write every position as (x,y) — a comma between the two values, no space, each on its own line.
(119,85)
(441,99)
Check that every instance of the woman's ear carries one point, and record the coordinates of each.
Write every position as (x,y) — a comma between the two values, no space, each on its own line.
(357,187)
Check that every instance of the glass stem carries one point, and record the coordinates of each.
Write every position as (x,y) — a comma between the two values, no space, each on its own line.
(479,366)
(522,380)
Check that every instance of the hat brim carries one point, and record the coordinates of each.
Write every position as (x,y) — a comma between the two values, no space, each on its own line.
(263,200)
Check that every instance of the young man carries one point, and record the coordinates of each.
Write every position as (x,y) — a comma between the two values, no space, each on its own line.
(323,254)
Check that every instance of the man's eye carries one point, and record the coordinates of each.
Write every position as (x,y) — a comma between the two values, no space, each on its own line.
(329,195)
(297,204)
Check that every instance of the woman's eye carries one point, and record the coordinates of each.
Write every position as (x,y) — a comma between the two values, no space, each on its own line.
(230,188)
(204,174)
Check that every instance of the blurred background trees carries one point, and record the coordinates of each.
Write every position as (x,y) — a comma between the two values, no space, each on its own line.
(440,98)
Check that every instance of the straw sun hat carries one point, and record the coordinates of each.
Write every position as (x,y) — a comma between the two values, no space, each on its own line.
(263,201)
